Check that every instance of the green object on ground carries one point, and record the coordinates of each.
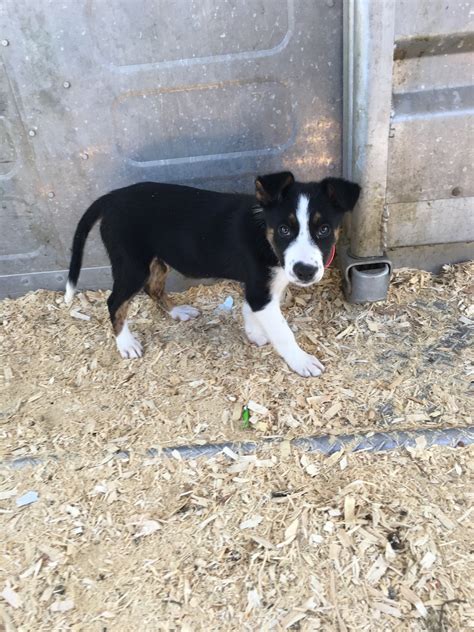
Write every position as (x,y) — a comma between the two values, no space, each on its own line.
(245,418)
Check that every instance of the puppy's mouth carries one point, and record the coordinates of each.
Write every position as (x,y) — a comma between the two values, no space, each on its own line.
(314,281)
(301,284)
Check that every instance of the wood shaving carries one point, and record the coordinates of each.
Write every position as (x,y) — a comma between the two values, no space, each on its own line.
(11,597)
(355,541)
(75,392)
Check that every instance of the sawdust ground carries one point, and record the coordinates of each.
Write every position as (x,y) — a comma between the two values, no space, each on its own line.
(277,541)
(400,364)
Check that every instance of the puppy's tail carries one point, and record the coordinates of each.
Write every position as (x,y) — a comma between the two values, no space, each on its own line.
(83,229)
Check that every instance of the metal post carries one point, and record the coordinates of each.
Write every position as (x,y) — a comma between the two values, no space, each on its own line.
(368,58)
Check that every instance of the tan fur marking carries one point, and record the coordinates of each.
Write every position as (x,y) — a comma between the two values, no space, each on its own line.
(337,233)
(166,303)
(292,221)
(260,192)
(155,285)
(289,181)
(270,236)
(120,317)
(316,217)
(263,197)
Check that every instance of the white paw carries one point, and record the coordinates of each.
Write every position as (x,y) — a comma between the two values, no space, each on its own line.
(69,293)
(254,331)
(184,312)
(128,345)
(304,364)
(256,336)
(130,349)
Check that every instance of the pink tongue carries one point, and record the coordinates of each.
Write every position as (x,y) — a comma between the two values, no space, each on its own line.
(331,257)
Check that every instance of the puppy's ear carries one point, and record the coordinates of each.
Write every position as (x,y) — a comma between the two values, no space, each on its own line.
(269,189)
(342,193)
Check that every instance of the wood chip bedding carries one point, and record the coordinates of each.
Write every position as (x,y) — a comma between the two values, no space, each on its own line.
(400,364)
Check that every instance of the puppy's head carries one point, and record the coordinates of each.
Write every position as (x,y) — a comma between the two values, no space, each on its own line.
(304,220)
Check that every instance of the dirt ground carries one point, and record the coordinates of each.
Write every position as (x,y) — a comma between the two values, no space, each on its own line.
(277,540)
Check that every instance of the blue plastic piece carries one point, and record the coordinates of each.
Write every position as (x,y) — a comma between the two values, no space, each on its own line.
(27,499)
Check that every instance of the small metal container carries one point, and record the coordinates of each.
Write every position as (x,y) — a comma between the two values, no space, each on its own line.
(369,282)
(365,280)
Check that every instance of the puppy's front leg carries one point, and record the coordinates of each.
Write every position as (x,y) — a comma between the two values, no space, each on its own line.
(280,335)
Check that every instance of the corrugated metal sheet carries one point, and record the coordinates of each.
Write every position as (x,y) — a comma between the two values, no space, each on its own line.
(430,185)
(410,128)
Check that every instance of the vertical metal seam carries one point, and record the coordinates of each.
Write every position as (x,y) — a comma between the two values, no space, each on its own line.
(368,69)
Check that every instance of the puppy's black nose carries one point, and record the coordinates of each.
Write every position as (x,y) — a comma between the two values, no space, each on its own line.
(304,272)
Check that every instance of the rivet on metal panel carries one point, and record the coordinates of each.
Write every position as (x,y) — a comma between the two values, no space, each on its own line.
(5,42)
(51,194)
(31,132)
(66,84)
(84,155)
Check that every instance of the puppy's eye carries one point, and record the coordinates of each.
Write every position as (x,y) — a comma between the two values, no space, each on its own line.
(324,231)
(283,230)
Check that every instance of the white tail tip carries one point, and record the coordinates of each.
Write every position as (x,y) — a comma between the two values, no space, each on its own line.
(69,294)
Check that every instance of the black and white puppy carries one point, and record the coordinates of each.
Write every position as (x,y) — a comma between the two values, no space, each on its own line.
(284,234)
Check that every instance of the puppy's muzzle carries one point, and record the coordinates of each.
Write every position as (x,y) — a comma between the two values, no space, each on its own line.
(305,273)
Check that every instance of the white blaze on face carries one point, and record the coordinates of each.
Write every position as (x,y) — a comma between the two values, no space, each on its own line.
(303,249)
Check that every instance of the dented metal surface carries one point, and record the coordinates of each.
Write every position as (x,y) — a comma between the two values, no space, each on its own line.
(97,95)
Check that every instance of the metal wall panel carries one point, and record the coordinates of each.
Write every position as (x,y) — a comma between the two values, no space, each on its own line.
(430,183)
(409,129)
(96,95)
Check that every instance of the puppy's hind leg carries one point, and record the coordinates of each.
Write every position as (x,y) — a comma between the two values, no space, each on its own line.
(125,287)
(155,288)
